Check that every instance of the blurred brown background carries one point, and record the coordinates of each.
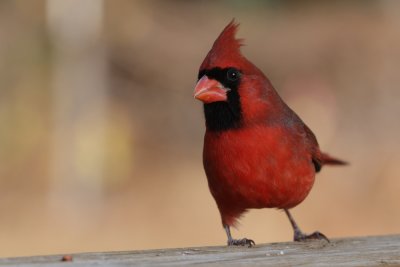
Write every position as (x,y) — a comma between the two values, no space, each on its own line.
(101,139)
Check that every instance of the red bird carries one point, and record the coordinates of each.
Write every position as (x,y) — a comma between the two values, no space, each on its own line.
(257,152)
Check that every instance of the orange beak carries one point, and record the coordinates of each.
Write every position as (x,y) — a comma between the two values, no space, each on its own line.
(209,90)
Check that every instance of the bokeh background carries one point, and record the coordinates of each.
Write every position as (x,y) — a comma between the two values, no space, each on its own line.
(101,139)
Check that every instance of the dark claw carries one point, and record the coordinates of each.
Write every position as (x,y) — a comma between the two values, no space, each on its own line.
(299,236)
(241,242)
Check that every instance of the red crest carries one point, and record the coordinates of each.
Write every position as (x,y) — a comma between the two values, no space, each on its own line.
(225,51)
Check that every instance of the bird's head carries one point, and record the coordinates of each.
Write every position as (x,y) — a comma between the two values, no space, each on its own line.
(232,89)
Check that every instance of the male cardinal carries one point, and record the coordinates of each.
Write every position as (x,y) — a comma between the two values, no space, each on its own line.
(257,152)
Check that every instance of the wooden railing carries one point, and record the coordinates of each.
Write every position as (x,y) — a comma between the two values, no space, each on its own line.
(360,251)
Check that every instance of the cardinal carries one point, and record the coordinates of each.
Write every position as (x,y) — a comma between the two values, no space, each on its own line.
(257,152)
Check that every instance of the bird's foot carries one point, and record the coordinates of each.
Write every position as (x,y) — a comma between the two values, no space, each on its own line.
(299,236)
(241,242)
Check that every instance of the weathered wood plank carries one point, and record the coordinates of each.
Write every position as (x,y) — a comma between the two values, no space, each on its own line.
(363,251)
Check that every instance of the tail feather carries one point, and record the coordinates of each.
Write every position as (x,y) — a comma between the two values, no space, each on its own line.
(328,160)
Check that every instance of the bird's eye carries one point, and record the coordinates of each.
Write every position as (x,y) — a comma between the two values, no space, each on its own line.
(232,75)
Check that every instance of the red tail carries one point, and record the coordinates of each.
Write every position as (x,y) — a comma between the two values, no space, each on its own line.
(328,160)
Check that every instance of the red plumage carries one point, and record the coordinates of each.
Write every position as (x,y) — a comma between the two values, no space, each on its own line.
(257,152)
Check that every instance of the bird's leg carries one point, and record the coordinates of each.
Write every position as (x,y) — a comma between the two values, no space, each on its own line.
(299,235)
(237,242)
